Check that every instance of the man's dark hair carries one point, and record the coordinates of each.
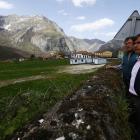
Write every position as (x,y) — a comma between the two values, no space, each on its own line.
(130,37)
(135,38)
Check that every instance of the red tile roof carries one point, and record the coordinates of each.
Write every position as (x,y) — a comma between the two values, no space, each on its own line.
(80,52)
(8,60)
(48,56)
(99,52)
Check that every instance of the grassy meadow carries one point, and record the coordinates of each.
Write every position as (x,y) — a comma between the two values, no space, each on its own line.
(27,101)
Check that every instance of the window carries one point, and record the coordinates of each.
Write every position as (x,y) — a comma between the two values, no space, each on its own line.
(75,60)
(82,60)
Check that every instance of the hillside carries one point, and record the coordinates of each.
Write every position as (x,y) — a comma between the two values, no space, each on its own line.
(37,34)
(11,53)
(112,45)
(90,45)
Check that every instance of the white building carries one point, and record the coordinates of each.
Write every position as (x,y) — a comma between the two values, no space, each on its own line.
(21,59)
(77,61)
(88,60)
(81,54)
(100,61)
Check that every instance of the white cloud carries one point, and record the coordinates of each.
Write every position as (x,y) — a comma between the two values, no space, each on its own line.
(65,14)
(81,18)
(61,11)
(5,5)
(99,24)
(109,34)
(80,2)
(59,1)
(96,33)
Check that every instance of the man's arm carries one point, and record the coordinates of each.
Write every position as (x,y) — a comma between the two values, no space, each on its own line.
(117,67)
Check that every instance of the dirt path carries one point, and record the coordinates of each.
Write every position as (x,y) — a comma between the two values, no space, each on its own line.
(14,81)
(77,69)
(73,69)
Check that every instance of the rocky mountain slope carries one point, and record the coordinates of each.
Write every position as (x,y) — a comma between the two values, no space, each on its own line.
(11,53)
(40,36)
(33,33)
(112,45)
(90,45)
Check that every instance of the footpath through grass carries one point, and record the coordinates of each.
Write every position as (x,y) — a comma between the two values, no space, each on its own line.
(24,102)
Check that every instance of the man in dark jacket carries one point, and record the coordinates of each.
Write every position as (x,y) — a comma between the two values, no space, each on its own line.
(128,61)
(134,88)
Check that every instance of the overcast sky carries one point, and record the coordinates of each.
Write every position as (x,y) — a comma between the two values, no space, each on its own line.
(100,19)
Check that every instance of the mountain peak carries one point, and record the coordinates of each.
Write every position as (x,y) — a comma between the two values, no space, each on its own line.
(36,33)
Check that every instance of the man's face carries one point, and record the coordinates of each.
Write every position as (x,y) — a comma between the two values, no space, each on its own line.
(137,45)
(129,45)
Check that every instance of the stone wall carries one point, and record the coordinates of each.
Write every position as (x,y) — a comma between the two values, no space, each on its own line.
(93,112)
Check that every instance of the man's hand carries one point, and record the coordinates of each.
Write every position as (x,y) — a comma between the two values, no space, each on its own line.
(109,67)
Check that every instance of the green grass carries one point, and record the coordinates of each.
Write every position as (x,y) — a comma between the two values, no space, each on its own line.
(24,102)
(33,64)
(43,84)
(15,74)
(14,70)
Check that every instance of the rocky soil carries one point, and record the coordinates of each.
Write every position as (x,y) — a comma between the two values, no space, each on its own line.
(90,113)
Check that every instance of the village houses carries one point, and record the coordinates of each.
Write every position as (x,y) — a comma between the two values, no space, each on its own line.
(77,55)
(82,54)
(49,57)
(121,52)
(57,56)
(103,54)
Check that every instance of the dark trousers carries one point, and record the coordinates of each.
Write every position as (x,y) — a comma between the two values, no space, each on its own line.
(126,83)
(135,116)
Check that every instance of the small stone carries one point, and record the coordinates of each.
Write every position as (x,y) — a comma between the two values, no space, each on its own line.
(80,109)
(89,86)
(76,115)
(41,121)
(61,138)
(88,127)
